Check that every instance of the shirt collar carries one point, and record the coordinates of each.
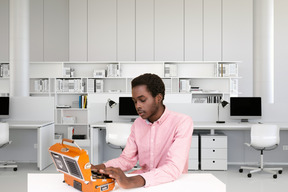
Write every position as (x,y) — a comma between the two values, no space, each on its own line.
(161,119)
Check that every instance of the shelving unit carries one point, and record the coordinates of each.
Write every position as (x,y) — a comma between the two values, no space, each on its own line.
(202,81)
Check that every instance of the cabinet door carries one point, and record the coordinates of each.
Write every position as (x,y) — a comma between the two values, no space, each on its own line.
(212,41)
(126,30)
(4,30)
(56,30)
(237,30)
(238,38)
(193,30)
(36,30)
(144,30)
(78,30)
(169,21)
(102,31)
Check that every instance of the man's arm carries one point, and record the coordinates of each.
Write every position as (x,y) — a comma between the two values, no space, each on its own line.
(122,180)
(120,177)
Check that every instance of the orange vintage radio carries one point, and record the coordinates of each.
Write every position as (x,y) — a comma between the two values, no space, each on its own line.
(74,163)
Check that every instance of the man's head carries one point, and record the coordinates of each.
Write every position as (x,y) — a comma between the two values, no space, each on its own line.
(148,91)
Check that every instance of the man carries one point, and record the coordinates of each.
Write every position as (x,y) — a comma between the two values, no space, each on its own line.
(160,139)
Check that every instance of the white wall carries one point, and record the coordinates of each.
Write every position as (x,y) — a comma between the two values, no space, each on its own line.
(278,110)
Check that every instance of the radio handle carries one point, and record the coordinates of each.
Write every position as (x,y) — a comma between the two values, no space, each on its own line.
(70,141)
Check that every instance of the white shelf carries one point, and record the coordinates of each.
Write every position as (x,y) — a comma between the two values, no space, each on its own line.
(202,74)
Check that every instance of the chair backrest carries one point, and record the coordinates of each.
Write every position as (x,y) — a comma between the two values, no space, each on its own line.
(4,133)
(118,133)
(264,135)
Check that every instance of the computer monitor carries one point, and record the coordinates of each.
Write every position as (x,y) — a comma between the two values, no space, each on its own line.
(127,108)
(4,107)
(245,108)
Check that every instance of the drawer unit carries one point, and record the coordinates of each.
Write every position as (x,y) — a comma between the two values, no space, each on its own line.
(216,164)
(213,151)
(193,163)
(214,141)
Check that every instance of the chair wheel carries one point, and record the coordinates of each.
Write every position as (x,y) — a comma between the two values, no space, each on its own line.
(240,170)
(249,175)
(280,171)
(275,176)
(15,169)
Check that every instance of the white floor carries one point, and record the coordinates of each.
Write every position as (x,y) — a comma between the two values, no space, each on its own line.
(11,181)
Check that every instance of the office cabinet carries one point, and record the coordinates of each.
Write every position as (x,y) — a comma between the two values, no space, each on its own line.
(212,30)
(144,49)
(36,30)
(193,163)
(213,150)
(238,37)
(4,30)
(102,30)
(56,30)
(78,37)
(193,30)
(126,30)
(169,22)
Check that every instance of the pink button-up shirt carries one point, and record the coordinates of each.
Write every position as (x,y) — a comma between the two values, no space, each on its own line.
(162,148)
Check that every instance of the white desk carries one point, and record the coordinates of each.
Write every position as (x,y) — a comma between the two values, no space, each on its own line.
(98,138)
(45,138)
(203,182)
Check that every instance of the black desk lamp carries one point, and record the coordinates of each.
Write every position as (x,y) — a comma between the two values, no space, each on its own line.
(223,103)
(111,104)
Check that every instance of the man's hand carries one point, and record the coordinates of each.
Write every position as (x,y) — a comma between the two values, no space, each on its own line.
(96,168)
(122,180)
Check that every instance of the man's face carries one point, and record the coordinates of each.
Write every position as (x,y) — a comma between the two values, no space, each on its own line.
(146,105)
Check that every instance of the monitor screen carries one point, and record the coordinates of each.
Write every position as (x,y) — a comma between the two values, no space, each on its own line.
(127,107)
(245,108)
(4,107)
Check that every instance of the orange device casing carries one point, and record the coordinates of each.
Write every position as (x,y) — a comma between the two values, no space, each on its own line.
(74,163)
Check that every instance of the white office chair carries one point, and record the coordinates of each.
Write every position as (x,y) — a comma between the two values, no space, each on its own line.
(264,137)
(117,134)
(4,140)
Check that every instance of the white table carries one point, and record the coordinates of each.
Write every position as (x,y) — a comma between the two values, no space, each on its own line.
(203,182)
(45,138)
(97,139)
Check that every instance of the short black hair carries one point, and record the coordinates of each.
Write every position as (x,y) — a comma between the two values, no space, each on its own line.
(153,83)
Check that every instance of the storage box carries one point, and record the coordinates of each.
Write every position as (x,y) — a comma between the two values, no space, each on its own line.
(68,120)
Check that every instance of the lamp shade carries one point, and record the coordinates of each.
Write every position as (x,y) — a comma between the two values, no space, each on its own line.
(111,103)
(224,103)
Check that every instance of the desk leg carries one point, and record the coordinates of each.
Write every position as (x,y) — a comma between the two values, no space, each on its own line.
(97,138)
(45,138)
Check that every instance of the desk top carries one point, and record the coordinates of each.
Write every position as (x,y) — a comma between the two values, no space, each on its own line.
(203,182)
(215,126)
(28,124)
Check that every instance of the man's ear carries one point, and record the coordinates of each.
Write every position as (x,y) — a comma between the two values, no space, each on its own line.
(159,98)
